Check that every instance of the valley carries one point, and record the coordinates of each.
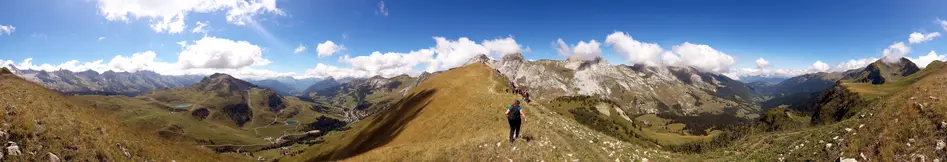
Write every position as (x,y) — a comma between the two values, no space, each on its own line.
(582,112)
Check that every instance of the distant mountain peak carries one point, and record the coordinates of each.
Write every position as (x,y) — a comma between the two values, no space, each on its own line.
(880,72)
(481,58)
(225,82)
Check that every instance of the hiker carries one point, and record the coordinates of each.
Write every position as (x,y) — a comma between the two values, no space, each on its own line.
(513,114)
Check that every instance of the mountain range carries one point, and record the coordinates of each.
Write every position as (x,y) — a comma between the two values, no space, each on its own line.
(582,110)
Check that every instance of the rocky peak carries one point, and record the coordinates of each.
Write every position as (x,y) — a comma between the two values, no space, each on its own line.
(481,58)
(515,57)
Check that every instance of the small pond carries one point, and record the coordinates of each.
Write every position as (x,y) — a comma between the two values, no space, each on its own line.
(186,105)
(291,122)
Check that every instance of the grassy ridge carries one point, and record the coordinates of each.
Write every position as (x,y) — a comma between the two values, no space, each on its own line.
(42,121)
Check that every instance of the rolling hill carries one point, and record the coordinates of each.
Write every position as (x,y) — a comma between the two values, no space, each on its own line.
(225,114)
(43,123)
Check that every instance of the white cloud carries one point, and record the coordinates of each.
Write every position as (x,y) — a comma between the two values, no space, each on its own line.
(895,52)
(783,73)
(502,46)
(581,51)
(328,48)
(761,63)
(299,49)
(587,51)
(200,28)
(916,37)
(922,61)
(382,9)
(704,57)
(389,64)
(218,53)
(854,64)
(562,48)
(101,38)
(169,15)
(454,53)
(635,51)
(7,29)
(670,58)
(820,66)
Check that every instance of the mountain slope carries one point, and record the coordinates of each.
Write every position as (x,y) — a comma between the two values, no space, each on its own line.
(904,120)
(278,86)
(458,114)
(41,122)
(361,98)
(638,89)
(880,72)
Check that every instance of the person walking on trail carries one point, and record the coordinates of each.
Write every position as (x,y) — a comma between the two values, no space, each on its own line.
(514,114)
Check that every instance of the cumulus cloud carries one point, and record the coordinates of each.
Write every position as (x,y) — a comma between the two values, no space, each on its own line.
(299,49)
(761,63)
(328,48)
(218,53)
(854,64)
(923,61)
(101,38)
(169,15)
(452,53)
(7,29)
(635,51)
(587,51)
(444,55)
(670,58)
(916,37)
(502,46)
(895,52)
(200,28)
(820,66)
(703,57)
(389,64)
(581,51)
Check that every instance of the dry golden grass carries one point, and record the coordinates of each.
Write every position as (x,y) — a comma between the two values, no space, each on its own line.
(41,121)
(458,115)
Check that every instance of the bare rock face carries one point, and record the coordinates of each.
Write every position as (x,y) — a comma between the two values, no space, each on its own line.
(638,88)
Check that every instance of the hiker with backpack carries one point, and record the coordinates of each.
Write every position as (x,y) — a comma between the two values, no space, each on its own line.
(513,114)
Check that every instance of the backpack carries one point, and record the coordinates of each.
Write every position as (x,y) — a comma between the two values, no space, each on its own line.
(514,113)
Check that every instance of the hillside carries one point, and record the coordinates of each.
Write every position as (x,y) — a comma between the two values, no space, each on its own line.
(896,121)
(106,83)
(361,98)
(680,94)
(42,122)
(434,123)
(225,114)
(880,72)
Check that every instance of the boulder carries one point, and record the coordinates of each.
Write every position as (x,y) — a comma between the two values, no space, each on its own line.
(13,149)
(53,157)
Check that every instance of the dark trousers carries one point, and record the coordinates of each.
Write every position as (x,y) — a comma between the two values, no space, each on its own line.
(514,129)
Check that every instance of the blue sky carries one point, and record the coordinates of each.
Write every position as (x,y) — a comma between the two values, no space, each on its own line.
(788,34)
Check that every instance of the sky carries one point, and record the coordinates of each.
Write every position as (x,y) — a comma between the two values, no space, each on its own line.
(364,38)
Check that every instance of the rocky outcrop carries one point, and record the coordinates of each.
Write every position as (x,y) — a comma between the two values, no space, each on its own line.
(638,88)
